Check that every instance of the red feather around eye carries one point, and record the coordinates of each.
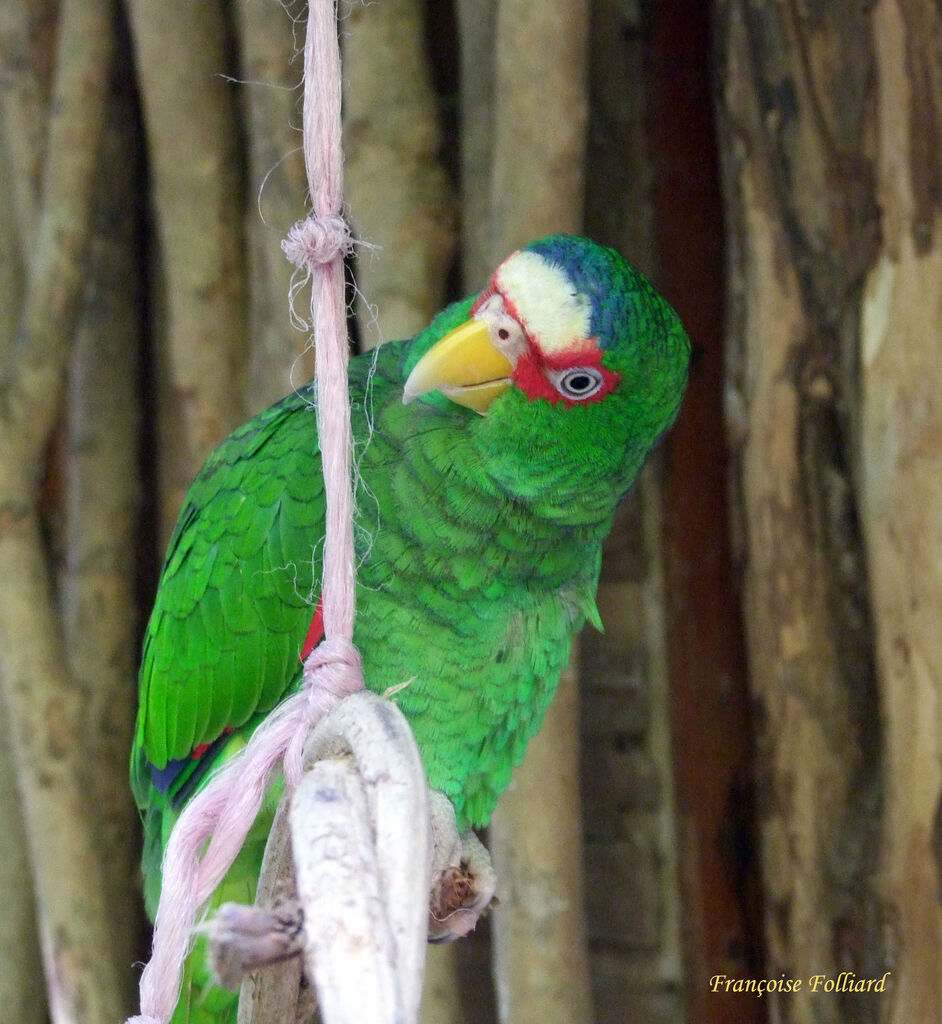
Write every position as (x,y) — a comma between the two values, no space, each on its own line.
(531,378)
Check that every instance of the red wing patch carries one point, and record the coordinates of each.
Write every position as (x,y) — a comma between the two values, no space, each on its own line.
(315,633)
(198,752)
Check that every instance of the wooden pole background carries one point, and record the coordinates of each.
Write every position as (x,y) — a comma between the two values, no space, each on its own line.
(754,745)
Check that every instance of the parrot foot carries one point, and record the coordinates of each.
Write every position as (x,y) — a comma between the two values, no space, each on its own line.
(348,846)
(463,879)
(244,938)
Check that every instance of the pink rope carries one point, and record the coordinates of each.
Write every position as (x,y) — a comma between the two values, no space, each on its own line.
(225,809)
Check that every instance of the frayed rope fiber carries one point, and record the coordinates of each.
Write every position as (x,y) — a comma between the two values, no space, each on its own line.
(225,809)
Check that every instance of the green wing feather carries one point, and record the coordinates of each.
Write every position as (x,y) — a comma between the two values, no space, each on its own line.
(234,602)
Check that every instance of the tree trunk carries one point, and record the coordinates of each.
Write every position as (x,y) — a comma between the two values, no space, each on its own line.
(279,356)
(27,49)
(395,183)
(21,979)
(900,464)
(191,132)
(21,988)
(541,965)
(45,706)
(802,233)
(102,497)
(477,28)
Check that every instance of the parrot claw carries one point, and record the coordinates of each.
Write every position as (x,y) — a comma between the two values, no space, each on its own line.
(463,879)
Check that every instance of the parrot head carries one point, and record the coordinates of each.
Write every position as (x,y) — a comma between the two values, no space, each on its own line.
(568,369)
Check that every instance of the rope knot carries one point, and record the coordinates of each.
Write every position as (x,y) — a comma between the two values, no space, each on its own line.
(317,240)
(334,669)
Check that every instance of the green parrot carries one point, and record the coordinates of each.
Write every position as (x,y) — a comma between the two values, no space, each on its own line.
(492,450)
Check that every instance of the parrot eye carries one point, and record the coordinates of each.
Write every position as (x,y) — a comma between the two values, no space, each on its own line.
(578,382)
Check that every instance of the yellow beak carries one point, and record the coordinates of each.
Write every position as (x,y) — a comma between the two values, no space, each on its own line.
(464,366)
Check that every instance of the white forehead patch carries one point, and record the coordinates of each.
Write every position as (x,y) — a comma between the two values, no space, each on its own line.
(554,315)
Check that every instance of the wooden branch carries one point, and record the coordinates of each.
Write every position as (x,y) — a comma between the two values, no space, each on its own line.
(540,114)
(45,711)
(394,180)
(541,965)
(46,716)
(349,953)
(271,995)
(477,30)
(362,877)
(27,57)
(192,157)
(900,465)
(277,187)
(102,494)
(801,232)
(21,977)
(369,845)
(29,398)
(12,266)
(377,736)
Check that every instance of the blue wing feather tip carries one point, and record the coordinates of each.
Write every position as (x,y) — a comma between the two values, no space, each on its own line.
(163,778)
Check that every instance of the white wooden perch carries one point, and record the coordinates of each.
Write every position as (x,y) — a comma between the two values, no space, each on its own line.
(363,865)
